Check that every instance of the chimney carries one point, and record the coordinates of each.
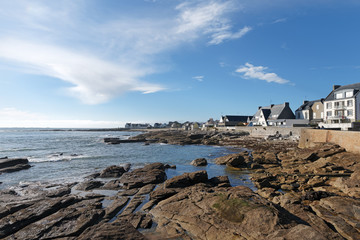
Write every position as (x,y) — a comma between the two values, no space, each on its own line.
(336,87)
(305,101)
(271,105)
(287,104)
(259,107)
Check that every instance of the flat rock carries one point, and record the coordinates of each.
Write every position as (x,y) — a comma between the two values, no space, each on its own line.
(150,174)
(342,213)
(200,212)
(112,231)
(22,218)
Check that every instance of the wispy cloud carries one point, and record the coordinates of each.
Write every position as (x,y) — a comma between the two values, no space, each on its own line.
(224,34)
(210,19)
(105,57)
(258,72)
(94,80)
(199,78)
(280,20)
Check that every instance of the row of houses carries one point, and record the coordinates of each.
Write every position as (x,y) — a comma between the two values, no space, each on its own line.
(339,110)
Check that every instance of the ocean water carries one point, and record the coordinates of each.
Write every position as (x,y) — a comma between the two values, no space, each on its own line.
(69,156)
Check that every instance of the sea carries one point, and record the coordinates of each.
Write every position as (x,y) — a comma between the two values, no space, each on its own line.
(66,156)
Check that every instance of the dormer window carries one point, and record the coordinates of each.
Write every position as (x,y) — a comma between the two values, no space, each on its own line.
(349,94)
(339,95)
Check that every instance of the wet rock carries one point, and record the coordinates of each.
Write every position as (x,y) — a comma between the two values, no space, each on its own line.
(138,220)
(199,162)
(88,185)
(112,172)
(115,207)
(8,165)
(186,179)
(129,192)
(112,140)
(112,231)
(133,204)
(150,174)
(220,181)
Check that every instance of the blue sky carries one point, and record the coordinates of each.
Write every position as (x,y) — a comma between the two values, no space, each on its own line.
(102,63)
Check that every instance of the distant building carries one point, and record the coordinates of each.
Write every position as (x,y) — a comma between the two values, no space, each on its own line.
(234,120)
(341,107)
(137,125)
(273,115)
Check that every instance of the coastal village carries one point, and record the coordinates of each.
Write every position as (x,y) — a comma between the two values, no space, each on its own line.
(305,187)
(339,110)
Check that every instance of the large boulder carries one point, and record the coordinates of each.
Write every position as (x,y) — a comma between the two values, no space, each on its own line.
(112,172)
(199,162)
(187,179)
(150,174)
(236,160)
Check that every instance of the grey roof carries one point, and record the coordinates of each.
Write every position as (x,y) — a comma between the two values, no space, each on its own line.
(308,105)
(354,86)
(235,118)
(274,112)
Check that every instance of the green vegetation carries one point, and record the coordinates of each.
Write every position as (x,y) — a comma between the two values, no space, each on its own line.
(232,209)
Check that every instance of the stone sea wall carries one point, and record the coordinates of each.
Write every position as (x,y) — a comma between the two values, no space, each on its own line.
(346,139)
(260,131)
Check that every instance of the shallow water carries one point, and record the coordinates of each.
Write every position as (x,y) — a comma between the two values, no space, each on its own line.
(69,156)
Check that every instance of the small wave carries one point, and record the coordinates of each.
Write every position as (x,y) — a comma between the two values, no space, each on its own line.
(57,158)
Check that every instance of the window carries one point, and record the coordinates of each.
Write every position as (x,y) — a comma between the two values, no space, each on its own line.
(322,115)
(329,113)
(317,107)
(349,94)
(306,115)
(314,115)
(349,103)
(338,95)
(328,105)
(338,104)
(350,112)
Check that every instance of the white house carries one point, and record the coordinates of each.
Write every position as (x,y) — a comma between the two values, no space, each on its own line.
(273,115)
(342,107)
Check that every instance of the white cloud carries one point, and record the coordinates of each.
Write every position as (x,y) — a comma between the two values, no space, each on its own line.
(199,78)
(258,72)
(95,80)
(12,117)
(104,57)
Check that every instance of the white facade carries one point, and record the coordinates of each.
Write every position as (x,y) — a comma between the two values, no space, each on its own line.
(341,110)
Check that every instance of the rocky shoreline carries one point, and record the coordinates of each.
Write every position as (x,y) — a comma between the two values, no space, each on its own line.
(302,194)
